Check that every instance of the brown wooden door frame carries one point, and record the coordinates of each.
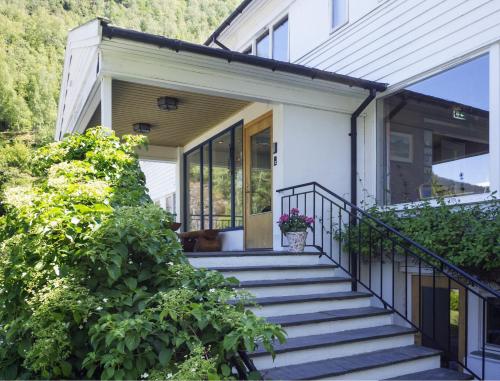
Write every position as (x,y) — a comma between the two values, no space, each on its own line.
(255,126)
(444,283)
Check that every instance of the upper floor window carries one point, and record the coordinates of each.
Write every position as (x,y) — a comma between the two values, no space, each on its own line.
(280,41)
(339,13)
(436,136)
(262,45)
(273,43)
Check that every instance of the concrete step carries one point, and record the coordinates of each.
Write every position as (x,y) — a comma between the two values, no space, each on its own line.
(298,304)
(282,271)
(435,374)
(284,287)
(302,349)
(263,258)
(333,321)
(375,365)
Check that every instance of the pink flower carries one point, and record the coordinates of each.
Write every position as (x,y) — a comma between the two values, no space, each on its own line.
(284,218)
(309,220)
(295,211)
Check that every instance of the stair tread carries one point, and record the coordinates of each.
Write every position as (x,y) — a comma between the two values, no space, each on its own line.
(272,267)
(309,298)
(343,365)
(435,374)
(225,254)
(332,315)
(292,282)
(336,338)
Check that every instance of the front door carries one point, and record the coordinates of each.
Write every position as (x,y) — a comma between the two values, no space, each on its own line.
(258,183)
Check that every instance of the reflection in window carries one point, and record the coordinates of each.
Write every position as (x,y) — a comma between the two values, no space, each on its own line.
(260,172)
(222,185)
(493,322)
(339,13)
(263,46)
(193,199)
(280,41)
(221,181)
(437,135)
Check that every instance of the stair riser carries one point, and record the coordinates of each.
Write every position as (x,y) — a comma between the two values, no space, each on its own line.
(275,260)
(313,306)
(393,370)
(281,274)
(337,326)
(332,351)
(305,289)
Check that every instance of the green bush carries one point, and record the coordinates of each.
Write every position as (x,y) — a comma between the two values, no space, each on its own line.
(93,282)
(467,235)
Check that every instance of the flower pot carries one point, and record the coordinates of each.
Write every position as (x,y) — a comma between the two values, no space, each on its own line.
(296,241)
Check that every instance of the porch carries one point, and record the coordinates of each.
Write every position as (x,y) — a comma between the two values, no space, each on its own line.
(237,128)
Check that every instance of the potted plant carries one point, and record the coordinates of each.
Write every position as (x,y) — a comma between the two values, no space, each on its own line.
(294,226)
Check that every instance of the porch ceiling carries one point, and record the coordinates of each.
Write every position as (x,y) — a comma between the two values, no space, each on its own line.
(134,103)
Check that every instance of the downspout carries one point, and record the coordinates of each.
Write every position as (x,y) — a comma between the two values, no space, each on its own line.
(353,262)
(354,144)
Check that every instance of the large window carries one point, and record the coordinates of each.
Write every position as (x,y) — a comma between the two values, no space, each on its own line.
(493,323)
(339,13)
(214,200)
(263,45)
(435,136)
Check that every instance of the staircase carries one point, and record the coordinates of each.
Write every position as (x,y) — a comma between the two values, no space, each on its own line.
(333,332)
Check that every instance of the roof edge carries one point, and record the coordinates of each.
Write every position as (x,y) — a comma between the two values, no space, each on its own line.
(231,56)
(222,27)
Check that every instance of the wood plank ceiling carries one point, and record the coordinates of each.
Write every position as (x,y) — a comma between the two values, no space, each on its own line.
(197,113)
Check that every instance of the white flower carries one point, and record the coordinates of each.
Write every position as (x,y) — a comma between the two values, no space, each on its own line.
(211,290)
(99,309)
(169,375)
(56,270)
(80,326)
(105,300)
(144,375)
(75,221)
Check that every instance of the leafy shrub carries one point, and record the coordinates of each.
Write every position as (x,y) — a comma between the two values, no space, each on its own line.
(467,235)
(93,282)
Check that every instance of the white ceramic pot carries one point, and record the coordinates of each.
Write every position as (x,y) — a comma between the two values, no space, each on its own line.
(296,241)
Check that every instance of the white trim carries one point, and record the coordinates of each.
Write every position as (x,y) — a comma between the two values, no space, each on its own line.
(107,102)
(494,143)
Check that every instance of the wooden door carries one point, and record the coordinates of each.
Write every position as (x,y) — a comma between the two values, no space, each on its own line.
(259,183)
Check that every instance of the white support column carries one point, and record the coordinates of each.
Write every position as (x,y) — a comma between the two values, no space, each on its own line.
(179,185)
(495,118)
(107,102)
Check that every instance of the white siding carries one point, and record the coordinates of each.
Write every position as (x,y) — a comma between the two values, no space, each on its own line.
(402,39)
(160,179)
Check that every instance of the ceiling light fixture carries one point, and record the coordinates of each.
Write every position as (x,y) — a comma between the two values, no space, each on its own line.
(168,103)
(142,128)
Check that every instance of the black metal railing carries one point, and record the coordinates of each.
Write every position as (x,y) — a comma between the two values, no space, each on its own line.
(446,305)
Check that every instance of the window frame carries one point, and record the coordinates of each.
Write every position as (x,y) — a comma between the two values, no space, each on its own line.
(334,28)
(269,31)
(200,147)
(489,346)
(381,153)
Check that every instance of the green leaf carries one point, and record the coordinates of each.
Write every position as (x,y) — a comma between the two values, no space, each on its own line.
(131,283)
(165,356)
(226,371)
(114,272)
(132,342)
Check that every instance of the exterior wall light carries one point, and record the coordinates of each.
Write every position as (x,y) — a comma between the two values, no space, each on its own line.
(142,128)
(168,103)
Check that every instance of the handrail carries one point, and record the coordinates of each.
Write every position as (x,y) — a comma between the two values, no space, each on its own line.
(400,235)
(367,249)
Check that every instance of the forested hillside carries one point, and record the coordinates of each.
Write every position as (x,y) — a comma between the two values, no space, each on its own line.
(33,37)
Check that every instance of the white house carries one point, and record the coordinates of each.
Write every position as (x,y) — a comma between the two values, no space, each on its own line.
(319,104)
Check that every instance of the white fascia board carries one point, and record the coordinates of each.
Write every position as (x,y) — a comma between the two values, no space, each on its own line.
(143,63)
(160,153)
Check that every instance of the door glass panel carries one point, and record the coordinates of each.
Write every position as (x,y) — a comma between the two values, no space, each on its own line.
(206,186)
(260,172)
(193,191)
(238,176)
(221,181)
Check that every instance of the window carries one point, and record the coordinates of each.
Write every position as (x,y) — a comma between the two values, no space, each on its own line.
(493,323)
(263,45)
(435,135)
(339,13)
(214,200)
(280,41)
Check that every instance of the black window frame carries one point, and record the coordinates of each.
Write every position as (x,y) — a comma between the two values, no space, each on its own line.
(200,147)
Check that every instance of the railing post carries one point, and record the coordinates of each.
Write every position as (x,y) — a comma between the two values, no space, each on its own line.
(353,255)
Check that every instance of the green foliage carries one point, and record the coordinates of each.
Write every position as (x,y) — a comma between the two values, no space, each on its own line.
(465,234)
(33,38)
(94,284)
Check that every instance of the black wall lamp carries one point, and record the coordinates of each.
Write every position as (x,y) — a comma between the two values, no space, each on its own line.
(142,128)
(168,103)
